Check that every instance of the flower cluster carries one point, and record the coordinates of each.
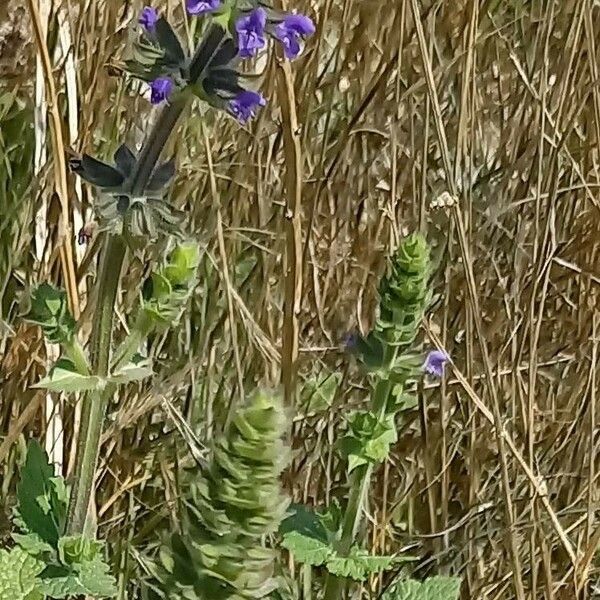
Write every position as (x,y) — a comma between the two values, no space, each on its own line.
(220,85)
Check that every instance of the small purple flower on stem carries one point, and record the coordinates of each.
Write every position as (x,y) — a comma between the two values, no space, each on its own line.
(251,32)
(148,18)
(351,341)
(291,30)
(199,7)
(161,88)
(243,106)
(435,361)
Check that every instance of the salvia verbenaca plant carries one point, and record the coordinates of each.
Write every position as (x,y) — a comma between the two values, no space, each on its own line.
(131,211)
(389,357)
(229,510)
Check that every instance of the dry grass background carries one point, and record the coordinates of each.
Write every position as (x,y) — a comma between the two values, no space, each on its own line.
(477,122)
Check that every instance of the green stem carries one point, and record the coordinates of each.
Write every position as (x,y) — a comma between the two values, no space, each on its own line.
(359,487)
(77,356)
(94,404)
(144,324)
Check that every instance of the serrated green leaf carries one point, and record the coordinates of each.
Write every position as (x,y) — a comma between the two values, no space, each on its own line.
(61,587)
(306,549)
(32,543)
(64,378)
(18,573)
(36,495)
(358,565)
(96,579)
(435,588)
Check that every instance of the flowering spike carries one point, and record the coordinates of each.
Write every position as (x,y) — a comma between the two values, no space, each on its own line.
(161,89)
(148,18)
(291,30)
(251,32)
(199,7)
(243,106)
(435,361)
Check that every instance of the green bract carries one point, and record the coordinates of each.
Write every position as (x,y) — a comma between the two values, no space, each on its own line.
(168,289)
(220,554)
(50,310)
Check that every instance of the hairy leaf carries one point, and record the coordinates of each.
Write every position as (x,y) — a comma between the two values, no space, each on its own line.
(359,565)
(64,378)
(18,573)
(307,550)
(436,588)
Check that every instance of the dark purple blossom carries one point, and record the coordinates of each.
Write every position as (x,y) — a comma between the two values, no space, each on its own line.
(199,7)
(148,18)
(161,88)
(243,106)
(291,30)
(251,32)
(435,361)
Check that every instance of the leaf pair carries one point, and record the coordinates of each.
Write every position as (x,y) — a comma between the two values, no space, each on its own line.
(63,377)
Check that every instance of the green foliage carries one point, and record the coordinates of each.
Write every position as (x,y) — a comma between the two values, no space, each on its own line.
(369,439)
(219,554)
(435,588)
(358,565)
(41,496)
(50,310)
(18,571)
(311,538)
(168,289)
(64,377)
(56,566)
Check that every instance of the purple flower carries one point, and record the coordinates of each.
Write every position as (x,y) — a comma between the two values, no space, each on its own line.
(148,18)
(435,361)
(199,7)
(161,88)
(243,106)
(291,30)
(251,32)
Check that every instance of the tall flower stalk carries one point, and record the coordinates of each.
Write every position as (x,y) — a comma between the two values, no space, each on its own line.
(136,185)
(387,355)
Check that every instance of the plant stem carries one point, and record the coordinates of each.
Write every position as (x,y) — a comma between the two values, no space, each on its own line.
(75,353)
(139,332)
(361,480)
(95,404)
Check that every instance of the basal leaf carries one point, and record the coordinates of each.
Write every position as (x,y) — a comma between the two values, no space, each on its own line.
(359,565)
(307,550)
(36,496)
(32,543)
(435,588)
(96,579)
(18,573)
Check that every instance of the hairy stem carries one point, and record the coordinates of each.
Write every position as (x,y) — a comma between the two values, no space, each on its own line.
(95,404)
(360,482)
